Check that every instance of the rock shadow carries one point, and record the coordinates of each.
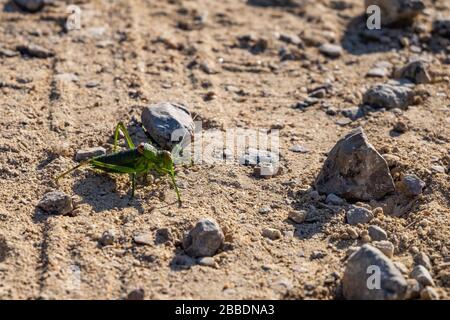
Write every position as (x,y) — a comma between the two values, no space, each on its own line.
(359,40)
(319,215)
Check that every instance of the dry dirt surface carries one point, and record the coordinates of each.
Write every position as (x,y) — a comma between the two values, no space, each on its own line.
(235,65)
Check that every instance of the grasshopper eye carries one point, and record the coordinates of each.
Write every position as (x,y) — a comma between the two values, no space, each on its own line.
(140,148)
(167,157)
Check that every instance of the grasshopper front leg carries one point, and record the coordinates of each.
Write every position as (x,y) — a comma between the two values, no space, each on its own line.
(121,127)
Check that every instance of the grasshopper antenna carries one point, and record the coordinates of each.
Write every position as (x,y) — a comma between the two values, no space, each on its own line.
(172,177)
(70,170)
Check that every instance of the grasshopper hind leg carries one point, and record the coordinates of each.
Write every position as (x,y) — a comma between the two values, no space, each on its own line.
(133,184)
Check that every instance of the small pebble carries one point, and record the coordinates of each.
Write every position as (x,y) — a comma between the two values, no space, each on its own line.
(107,238)
(204,239)
(358,215)
(334,199)
(272,234)
(265,210)
(207,261)
(56,202)
(438,169)
(143,238)
(89,153)
(422,259)
(411,185)
(299,148)
(298,216)
(377,233)
(385,246)
(136,294)
(421,274)
(331,50)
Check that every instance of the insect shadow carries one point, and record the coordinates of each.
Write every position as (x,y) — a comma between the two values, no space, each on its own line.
(100,192)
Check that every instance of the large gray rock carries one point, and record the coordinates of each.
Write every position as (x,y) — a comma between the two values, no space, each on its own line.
(163,120)
(360,266)
(415,71)
(397,11)
(354,170)
(204,239)
(389,96)
(56,202)
(30,5)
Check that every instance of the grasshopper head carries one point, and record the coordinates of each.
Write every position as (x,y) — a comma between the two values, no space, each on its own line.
(147,150)
(166,160)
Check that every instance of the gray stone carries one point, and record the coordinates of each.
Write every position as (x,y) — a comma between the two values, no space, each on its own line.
(334,200)
(415,71)
(265,210)
(377,73)
(298,216)
(34,51)
(422,275)
(107,238)
(358,215)
(299,148)
(56,202)
(389,96)
(254,157)
(143,238)
(376,233)
(331,50)
(354,170)
(204,239)
(30,5)
(411,185)
(8,53)
(437,168)
(397,11)
(422,259)
(272,234)
(168,123)
(355,281)
(90,153)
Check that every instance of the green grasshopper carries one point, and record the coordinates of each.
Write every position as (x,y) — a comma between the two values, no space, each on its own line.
(136,160)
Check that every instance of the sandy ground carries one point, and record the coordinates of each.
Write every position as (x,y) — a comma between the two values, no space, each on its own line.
(129,54)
